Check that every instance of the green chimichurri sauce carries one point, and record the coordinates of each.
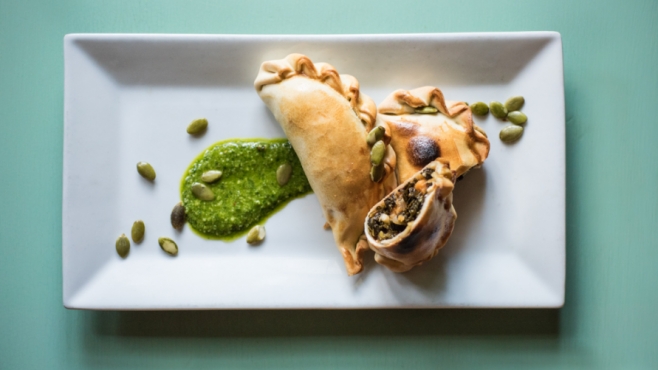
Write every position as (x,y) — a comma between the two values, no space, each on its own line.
(248,192)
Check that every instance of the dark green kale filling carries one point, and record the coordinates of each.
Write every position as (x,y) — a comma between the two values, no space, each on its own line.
(388,227)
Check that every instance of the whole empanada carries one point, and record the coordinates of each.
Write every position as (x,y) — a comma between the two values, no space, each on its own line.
(327,119)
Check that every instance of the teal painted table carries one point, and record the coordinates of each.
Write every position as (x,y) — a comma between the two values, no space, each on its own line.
(608,321)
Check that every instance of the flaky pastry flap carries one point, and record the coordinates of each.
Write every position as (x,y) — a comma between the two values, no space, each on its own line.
(275,71)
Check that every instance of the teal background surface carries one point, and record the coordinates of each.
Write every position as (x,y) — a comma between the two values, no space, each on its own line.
(608,321)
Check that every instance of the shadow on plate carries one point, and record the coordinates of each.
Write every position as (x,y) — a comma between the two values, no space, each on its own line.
(290,323)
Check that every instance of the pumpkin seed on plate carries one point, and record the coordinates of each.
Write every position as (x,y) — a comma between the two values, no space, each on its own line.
(498,110)
(202,192)
(137,232)
(283,174)
(256,234)
(426,110)
(146,170)
(511,133)
(178,217)
(168,245)
(480,108)
(517,118)
(514,103)
(211,176)
(122,245)
(375,135)
(198,126)
(377,153)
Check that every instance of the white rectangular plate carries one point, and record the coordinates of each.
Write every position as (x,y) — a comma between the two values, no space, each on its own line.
(129,98)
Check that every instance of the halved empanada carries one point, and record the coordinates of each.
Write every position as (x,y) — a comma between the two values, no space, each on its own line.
(327,119)
(423,126)
(413,222)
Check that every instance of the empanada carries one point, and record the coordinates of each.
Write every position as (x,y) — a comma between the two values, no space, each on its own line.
(327,119)
(412,223)
(423,126)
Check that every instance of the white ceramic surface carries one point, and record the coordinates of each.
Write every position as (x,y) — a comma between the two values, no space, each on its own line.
(129,98)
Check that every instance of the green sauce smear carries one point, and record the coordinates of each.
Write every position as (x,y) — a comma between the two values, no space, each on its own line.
(247,193)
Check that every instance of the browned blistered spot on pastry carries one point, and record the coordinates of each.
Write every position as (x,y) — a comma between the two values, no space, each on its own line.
(362,150)
(422,150)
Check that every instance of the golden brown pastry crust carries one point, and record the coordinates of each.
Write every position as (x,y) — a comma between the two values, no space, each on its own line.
(420,138)
(423,237)
(327,119)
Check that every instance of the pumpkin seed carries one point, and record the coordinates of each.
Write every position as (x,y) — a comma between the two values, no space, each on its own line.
(178,216)
(480,130)
(137,232)
(426,110)
(498,110)
(211,176)
(511,133)
(123,246)
(202,192)
(146,170)
(198,126)
(517,118)
(256,234)
(377,153)
(514,103)
(376,173)
(283,174)
(375,135)
(168,245)
(479,108)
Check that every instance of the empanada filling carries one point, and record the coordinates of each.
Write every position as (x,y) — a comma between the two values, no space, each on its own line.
(401,208)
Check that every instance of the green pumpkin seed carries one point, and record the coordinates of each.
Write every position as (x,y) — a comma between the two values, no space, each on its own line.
(283,174)
(178,217)
(498,110)
(146,170)
(375,135)
(426,110)
(377,173)
(137,232)
(123,246)
(377,153)
(202,192)
(517,118)
(256,234)
(168,245)
(514,103)
(479,108)
(211,176)
(511,133)
(480,130)
(198,126)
